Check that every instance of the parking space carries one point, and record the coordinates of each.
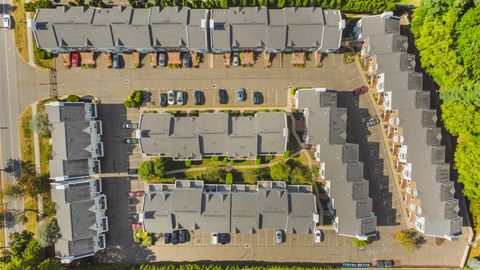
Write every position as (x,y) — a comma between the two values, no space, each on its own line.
(271,97)
(263,238)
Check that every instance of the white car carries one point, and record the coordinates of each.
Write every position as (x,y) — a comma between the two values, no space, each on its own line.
(318,236)
(7,21)
(171,98)
(214,238)
(180,98)
(278,237)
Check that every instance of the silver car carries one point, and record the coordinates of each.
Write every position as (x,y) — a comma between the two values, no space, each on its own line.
(7,21)
(171,97)
(180,100)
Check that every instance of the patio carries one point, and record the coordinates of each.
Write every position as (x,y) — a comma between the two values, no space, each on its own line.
(174,58)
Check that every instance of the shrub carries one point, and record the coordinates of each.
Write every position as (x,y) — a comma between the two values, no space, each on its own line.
(280,171)
(348,57)
(258,161)
(293,90)
(152,169)
(46,233)
(410,240)
(188,163)
(73,98)
(194,113)
(229,179)
(262,110)
(214,158)
(148,241)
(359,243)
(225,160)
(286,154)
(134,100)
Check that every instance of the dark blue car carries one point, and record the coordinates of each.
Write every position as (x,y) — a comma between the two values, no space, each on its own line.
(198,97)
(167,238)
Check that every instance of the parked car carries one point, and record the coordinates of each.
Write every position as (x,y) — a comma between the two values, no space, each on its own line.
(175,237)
(162,59)
(116,60)
(241,94)
(318,235)
(360,90)
(7,21)
(171,97)
(236,60)
(222,96)
(167,238)
(133,217)
(75,59)
(372,122)
(163,100)
(278,237)
(180,100)
(257,97)
(183,236)
(223,238)
(186,60)
(130,125)
(136,194)
(198,97)
(131,141)
(132,171)
(385,263)
(214,238)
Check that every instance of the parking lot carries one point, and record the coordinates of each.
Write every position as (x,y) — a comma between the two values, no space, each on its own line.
(271,97)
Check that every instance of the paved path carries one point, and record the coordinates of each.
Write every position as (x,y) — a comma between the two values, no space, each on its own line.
(36,147)
(31,58)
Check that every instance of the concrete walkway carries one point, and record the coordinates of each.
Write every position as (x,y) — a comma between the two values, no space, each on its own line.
(36,146)
(31,56)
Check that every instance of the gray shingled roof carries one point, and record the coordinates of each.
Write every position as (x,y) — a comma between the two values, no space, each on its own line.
(326,127)
(400,81)
(378,25)
(76,207)
(225,209)
(394,62)
(213,134)
(387,43)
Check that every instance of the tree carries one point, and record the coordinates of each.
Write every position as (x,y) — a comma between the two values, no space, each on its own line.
(215,175)
(359,243)
(40,124)
(159,167)
(229,179)
(47,231)
(136,99)
(152,169)
(12,191)
(50,264)
(407,239)
(73,98)
(280,171)
(300,175)
(19,242)
(148,241)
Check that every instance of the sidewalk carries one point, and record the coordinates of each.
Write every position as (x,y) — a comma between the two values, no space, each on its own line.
(36,144)
(31,56)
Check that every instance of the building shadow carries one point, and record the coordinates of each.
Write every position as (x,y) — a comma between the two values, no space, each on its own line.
(370,155)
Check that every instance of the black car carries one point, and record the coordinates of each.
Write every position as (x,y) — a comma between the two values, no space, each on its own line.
(175,237)
(222,96)
(385,263)
(132,171)
(163,100)
(183,236)
(372,122)
(223,238)
(198,97)
(257,97)
(167,238)
(116,60)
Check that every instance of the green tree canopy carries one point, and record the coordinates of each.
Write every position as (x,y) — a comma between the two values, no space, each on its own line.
(46,233)
(280,171)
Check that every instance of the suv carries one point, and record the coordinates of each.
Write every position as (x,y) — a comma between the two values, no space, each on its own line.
(257,97)
(278,237)
(163,100)
(7,21)
(183,236)
(385,263)
(198,97)
(236,60)
(360,90)
(186,60)
(222,96)
(171,97)
(116,60)
(241,94)
(180,99)
(162,60)
(175,237)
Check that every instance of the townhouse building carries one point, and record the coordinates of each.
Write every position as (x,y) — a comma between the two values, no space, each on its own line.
(182,29)
(213,134)
(415,140)
(340,169)
(194,205)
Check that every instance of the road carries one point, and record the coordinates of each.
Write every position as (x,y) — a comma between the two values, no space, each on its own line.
(9,111)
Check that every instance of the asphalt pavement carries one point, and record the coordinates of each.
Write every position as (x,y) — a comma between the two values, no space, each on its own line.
(9,110)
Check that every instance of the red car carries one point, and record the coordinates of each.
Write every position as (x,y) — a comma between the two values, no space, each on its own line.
(75,59)
(360,90)
(136,194)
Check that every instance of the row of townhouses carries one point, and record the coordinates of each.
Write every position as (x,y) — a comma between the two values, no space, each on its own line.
(76,190)
(193,205)
(350,204)
(213,134)
(125,29)
(415,138)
